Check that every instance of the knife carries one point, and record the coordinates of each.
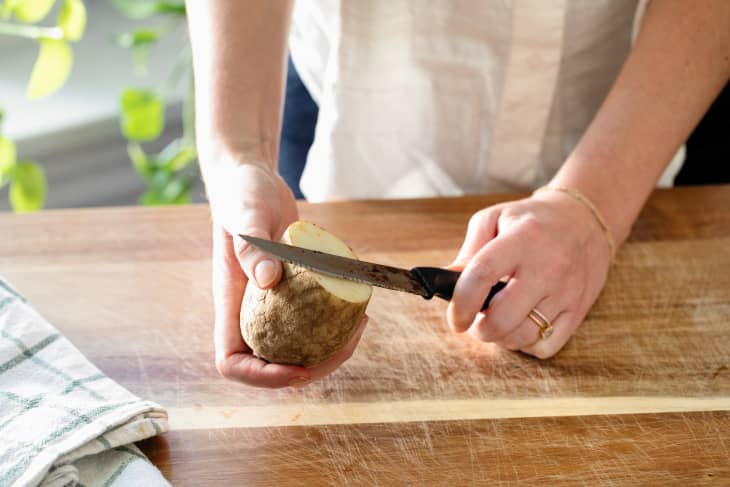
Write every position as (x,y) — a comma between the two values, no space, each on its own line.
(426,282)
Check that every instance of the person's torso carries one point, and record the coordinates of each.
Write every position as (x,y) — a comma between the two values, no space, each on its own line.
(448,98)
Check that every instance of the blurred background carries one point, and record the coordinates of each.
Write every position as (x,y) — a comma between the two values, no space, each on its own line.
(96,109)
(129,77)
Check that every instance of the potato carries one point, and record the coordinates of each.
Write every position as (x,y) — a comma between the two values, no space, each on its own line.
(307,317)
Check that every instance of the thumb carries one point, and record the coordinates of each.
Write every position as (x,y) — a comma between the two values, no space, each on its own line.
(259,267)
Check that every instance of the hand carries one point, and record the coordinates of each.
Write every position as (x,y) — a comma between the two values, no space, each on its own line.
(251,199)
(556,258)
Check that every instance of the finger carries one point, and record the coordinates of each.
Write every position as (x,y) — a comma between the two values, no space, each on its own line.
(528,333)
(481,229)
(258,266)
(498,258)
(247,369)
(233,358)
(564,325)
(326,368)
(507,310)
(250,370)
(229,284)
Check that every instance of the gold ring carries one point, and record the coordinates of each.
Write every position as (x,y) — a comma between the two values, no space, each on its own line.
(546,328)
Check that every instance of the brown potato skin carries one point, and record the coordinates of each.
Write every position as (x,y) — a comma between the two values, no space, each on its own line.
(297,322)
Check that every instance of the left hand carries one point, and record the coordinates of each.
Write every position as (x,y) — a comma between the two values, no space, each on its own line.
(556,257)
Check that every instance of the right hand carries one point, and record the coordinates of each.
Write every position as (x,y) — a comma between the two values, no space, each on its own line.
(251,199)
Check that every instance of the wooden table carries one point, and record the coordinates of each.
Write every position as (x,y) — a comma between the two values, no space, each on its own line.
(641,395)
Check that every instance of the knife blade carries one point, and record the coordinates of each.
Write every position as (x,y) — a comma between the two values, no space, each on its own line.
(426,282)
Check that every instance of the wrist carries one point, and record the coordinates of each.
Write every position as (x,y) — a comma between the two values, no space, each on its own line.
(237,190)
(588,210)
(236,178)
(218,155)
(614,199)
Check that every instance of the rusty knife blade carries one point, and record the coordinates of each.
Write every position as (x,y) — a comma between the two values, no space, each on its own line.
(351,269)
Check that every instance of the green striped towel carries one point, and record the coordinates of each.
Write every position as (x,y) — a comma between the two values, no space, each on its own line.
(63,422)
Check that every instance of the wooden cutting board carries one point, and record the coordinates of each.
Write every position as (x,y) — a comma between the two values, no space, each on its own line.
(640,395)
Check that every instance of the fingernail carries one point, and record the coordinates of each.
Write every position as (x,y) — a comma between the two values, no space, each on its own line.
(265,273)
(298,382)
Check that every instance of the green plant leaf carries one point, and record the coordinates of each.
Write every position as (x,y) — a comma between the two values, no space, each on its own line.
(140,162)
(140,9)
(143,115)
(72,19)
(184,198)
(2,114)
(28,188)
(174,192)
(151,198)
(160,179)
(7,159)
(139,41)
(176,188)
(172,7)
(177,155)
(51,69)
(31,11)
(183,158)
(137,38)
(6,10)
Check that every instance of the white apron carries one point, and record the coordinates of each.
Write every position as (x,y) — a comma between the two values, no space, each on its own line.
(422,98)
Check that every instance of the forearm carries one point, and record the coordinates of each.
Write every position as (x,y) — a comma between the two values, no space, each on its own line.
(239,55)
(679,63)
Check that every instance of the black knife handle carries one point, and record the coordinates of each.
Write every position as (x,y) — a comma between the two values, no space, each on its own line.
(441,283)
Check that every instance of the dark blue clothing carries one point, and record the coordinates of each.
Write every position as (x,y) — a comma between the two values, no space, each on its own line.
(297,130)
(708,150)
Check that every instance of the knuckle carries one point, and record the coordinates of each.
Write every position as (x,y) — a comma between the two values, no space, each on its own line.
(490,329)
(510,211)
(482,217)
(477,218)
(244,250)
(531,227)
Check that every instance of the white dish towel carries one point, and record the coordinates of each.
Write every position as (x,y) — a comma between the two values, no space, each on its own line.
(62,421)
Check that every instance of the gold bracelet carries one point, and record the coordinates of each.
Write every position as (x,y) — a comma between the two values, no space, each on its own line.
(583,199)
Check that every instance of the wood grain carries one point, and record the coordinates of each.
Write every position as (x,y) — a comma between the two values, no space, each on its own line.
(312,414)
(131,288)
(667,449)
